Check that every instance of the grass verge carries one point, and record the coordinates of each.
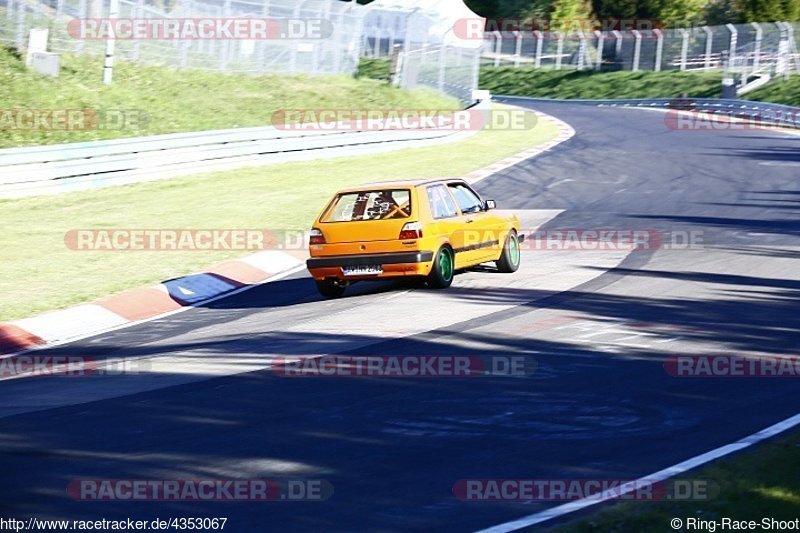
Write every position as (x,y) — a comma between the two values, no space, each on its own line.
(761,482)
(161,100)
(376,68)
(779,91)
(38,272)
(545,83)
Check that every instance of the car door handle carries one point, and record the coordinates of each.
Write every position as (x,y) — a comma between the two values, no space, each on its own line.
(470,220)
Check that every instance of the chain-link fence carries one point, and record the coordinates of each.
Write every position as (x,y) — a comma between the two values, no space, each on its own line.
(431,54)
(756,47)
(333,48)
(447,69)
(428,58)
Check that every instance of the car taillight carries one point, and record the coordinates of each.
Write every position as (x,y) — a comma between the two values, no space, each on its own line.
(316,237)
(412,230)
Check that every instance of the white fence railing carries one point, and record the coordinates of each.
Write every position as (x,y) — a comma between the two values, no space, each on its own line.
(763,45)
(447,69)
(334,49)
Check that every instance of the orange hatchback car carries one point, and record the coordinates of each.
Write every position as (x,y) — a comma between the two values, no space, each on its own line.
(423,229)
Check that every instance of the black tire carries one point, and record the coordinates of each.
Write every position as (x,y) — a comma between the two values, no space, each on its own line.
(441,275)
(414,282)
(510,257)
(330,288)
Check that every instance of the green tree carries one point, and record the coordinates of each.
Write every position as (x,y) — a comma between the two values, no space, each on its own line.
(559,9)
(680,13)
(769,10)
(538,9)
(571,9)
(722,12)
(619,9)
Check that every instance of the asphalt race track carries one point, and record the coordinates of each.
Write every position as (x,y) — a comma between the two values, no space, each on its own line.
(597,325)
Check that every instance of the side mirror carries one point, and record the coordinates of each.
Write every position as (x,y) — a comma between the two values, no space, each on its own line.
(490,204)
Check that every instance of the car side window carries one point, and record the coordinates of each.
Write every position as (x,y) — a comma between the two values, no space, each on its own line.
(468,201)
(441,202)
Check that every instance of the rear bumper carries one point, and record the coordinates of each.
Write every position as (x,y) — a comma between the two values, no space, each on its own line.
(394,265)
(369,259)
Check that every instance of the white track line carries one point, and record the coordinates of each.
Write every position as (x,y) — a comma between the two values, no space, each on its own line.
(661,475)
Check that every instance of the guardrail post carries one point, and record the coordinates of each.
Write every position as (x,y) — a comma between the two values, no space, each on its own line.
(293,47)
(180,9)
(108,63)
(476,69)
(498,47)
(684,48)
(261,46)
(20,33)
(226,47)
(79,43)
(518,50)
(423,58)
(601,37)
(728,79)
(757,51)
(782,64)
(539,41)
(709,43)
(659,49)
(138,11)
(316,47)
(395,65)
(732,47)
(637,49)
(791,47)
(581,50)
(376,44)
(442,58)
(617,45)
(365,48)
(559,50)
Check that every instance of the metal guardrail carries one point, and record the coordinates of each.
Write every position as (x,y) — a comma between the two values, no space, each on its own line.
(763,112)
(52,169)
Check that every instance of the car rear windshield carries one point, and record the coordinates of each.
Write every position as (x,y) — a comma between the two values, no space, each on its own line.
(370,205)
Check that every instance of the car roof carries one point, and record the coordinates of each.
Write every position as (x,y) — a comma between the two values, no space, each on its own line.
(399,184)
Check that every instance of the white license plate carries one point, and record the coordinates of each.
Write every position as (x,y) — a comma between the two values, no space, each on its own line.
(362,270)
